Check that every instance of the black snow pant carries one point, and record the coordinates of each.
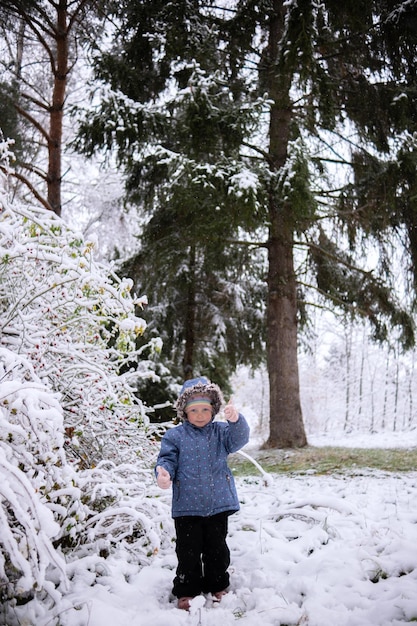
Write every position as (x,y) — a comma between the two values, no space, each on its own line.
(203,555)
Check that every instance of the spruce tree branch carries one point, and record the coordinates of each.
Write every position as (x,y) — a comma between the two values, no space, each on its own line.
(334,257)
(248,244)
(333,298)
(345,139)
(338,161)
(263,153)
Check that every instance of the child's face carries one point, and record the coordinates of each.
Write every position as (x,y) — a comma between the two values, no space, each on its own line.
(199,413)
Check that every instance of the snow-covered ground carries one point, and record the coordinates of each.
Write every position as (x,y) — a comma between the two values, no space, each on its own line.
(315,550)
(386,439)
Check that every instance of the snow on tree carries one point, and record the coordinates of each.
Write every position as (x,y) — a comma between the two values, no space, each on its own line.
(334,154)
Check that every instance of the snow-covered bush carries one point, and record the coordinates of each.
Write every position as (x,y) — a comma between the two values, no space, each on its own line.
(76,323)
(50,510)
(76,446)
(37,493)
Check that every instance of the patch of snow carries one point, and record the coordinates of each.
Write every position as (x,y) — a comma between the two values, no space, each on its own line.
(306,550)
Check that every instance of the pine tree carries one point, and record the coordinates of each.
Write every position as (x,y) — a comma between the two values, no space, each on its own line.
(207,298)
(334,167)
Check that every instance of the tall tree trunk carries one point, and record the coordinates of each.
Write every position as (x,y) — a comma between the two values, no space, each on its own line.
(60,74)
(286,422)
(348,355)
(408,423)
(396,388)
(386,385)
(190,320)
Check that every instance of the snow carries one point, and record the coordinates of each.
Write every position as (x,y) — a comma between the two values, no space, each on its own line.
(384,440)
(317,550)
(306,549)
(337,550)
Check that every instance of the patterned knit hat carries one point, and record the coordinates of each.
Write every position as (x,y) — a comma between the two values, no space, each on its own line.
(201,387)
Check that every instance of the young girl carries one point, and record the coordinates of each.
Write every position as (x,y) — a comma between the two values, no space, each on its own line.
(193,458)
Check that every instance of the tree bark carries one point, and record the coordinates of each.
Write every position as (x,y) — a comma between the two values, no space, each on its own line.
(286,422)
(60,74)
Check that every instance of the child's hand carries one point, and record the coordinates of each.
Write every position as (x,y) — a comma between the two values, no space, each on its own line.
(230,412)
(163,478)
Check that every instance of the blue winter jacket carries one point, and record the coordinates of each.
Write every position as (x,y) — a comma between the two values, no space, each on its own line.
(196,459)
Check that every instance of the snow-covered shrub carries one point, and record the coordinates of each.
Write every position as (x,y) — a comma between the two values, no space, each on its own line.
(121,511)
(75,441)
(49,509)
(37,493)
(76,323)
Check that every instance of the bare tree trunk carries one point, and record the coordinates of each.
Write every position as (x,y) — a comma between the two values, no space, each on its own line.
(384,410)
(372,428)
(396,388)
(286,423)
(190,320)
(19,50)
(409,422)
(348,344)
(361,375)
(60,75)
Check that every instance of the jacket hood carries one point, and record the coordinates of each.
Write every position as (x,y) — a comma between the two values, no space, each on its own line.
(201,386)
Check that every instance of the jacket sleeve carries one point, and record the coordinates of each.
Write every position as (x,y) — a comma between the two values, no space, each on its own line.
(237,434)
(168,455)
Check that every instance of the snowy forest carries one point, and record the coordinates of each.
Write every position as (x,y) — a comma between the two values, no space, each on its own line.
(191,188)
